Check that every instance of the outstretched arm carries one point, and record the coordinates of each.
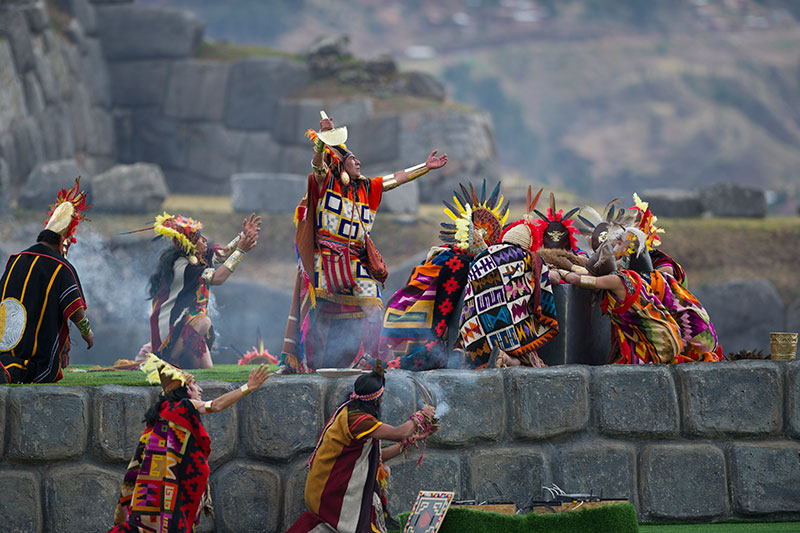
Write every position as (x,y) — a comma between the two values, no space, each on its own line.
(317,160)
(401,432)
(610,282)
(257,378)
(404,176)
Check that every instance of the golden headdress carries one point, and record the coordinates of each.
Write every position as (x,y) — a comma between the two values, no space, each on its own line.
(183,231)
(475,221)
(159,371)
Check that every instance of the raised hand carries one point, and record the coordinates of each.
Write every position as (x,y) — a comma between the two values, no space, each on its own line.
(326,124)
(258,376)
(435,162)
(251,226)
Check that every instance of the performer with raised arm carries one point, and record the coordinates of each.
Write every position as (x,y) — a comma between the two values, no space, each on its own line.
(166,484)
(336,309)
(41,293)
(180,329)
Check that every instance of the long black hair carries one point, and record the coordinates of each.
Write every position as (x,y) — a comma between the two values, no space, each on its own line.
(152,414)
(164,271)
(367,384)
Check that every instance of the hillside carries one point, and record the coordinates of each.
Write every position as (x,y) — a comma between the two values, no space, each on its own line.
(598,97)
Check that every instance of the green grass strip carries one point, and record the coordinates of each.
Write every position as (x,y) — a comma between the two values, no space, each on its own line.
(135,378)
(615,518)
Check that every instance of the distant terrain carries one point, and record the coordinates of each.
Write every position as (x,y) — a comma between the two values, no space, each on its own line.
(600,97)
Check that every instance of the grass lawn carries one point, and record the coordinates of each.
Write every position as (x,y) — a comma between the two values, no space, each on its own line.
(230,373)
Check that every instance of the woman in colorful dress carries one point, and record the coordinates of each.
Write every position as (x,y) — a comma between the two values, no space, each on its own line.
(342,489)
(166,484)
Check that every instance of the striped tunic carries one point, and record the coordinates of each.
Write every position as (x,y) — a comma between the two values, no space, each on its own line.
(343,477)
(40,292)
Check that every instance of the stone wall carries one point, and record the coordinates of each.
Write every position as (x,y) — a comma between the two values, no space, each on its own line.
(698,442)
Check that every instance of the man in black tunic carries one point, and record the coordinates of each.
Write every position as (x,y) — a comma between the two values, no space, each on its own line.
(39,292)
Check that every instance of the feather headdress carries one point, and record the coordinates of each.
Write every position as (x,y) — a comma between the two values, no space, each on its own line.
(183,231)
(66,213)
(616,224)
(523,232)
(647,222)
(159,371)
(556,229)
(475,220)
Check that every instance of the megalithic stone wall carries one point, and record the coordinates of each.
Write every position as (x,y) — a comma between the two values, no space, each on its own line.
(702,442)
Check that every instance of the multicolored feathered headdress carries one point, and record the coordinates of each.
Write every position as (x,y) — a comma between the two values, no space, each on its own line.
(647,223)
(183,231)
(65,215)
(556,229)
(616,224)
(159,371)
(476,222)
(523,232)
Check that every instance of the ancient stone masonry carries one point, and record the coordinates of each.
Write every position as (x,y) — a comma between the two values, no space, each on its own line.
(708,441)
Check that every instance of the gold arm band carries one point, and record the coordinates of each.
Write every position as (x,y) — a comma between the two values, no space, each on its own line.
(588,282)
(245,390)
(84,326)
(232,245)
(233,260)
(412,173)
(319,146)
(207,405)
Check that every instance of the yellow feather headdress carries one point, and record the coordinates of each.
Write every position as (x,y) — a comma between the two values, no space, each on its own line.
(183,231)
(159,371)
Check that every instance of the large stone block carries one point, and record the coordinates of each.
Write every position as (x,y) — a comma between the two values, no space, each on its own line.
(32,435)
(732,200)
(544,403)
(682,482)
(439,472)
(96,73)
(34,97)
(260,153)
(21,505)
(267,192)
(117,420)
(376,139)
(223,426)
(455,392)
(5,187)
(753,393)
(283,418)
(37,18)
(8,151)
(185,182)
(157,139)
(764,477)
(636,402)
(139,83)
(214,152)
(294,493)
(29,142)
(295,117)
(256,85)
(14,29)
(792,389)
(47,125)
(80,115)
(12,97)
(247,307)
(143,32)
(674,203)
(505,475)
(404,199)
(100,134)
(80,497)
(351,111)
(602,468)
(139,188)
(247,497)
(293,159)
(196,90)
(742,327)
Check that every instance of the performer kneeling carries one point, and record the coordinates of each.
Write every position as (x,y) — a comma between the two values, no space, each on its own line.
(342,489)
(166,483)
(180,329)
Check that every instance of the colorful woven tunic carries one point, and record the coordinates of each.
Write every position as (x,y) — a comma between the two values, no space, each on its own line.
(164,485)
(508,303)
(697,332)
(342,478)
(40,292)
(642,328)
(176,306)
(415,325)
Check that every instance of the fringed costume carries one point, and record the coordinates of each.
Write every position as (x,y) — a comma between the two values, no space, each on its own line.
(418,316)
(39,293)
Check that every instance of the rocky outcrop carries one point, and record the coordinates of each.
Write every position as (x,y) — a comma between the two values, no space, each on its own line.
(138,188)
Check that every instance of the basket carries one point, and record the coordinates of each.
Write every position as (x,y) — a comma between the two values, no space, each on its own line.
(783,346)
